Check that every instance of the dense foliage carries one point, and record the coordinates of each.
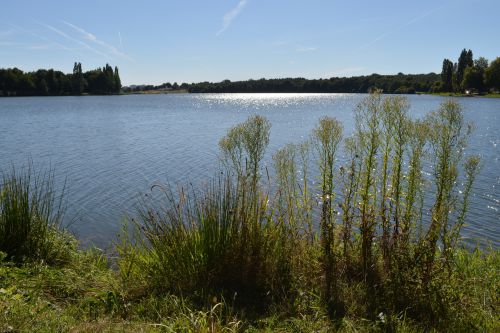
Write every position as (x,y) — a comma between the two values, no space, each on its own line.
(469,75)
(101,81)
(397,84)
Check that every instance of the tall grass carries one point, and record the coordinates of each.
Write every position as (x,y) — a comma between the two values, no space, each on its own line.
(221,241)
(30,218)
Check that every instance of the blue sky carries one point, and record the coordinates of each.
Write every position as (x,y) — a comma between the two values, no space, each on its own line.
(212,40)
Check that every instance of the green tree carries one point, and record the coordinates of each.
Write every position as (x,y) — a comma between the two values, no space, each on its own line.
(481,63)
(464,61)
(469,59)
(473,79)
(109,79)
(118,82)
(492,75)
(26,85)
(447,75)
(77,80)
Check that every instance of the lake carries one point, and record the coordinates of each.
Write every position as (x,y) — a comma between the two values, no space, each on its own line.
(109,149)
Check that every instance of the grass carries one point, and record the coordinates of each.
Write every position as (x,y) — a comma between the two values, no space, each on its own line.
(88,296)
(247,252)
(492,95)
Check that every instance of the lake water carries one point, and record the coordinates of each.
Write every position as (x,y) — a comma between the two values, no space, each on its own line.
(112,148)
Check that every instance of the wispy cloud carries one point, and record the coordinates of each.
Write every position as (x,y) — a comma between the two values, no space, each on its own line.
(231,15)
(404,25)
(91,37)
(65,35)
(307,49)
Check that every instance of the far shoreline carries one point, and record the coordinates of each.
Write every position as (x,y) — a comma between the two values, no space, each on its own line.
(185,91)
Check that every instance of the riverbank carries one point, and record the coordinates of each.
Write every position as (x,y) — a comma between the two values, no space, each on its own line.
(450,94)
(86,295)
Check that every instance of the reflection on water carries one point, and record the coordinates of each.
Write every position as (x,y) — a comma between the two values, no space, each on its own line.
(112,148)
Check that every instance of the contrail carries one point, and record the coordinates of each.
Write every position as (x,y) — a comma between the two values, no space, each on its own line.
(231,15)
(410,22)
(87,35)
(65,35)
(45,39)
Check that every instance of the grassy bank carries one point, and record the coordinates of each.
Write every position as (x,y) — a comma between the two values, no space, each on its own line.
(88,296)
(492,96)
(157,92)
(261,249)
(451,94)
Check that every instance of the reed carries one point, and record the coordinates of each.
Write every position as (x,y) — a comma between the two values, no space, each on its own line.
(31,213)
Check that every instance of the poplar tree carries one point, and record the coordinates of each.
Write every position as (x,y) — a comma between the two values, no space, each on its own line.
(447,75)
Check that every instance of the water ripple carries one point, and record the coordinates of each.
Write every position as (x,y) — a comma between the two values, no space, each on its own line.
(111,149)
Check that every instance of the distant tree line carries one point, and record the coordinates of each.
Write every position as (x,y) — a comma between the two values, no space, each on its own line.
(469,75)
(465,75)
(475,76)
(394,84)
(100,81)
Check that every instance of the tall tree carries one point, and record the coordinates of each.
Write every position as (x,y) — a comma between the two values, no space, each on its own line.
(464,60)
(447,75)
(469,59)
(110,80)
(118,82)
(77,80)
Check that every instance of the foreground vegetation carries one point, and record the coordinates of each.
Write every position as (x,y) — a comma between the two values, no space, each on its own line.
(372,245)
